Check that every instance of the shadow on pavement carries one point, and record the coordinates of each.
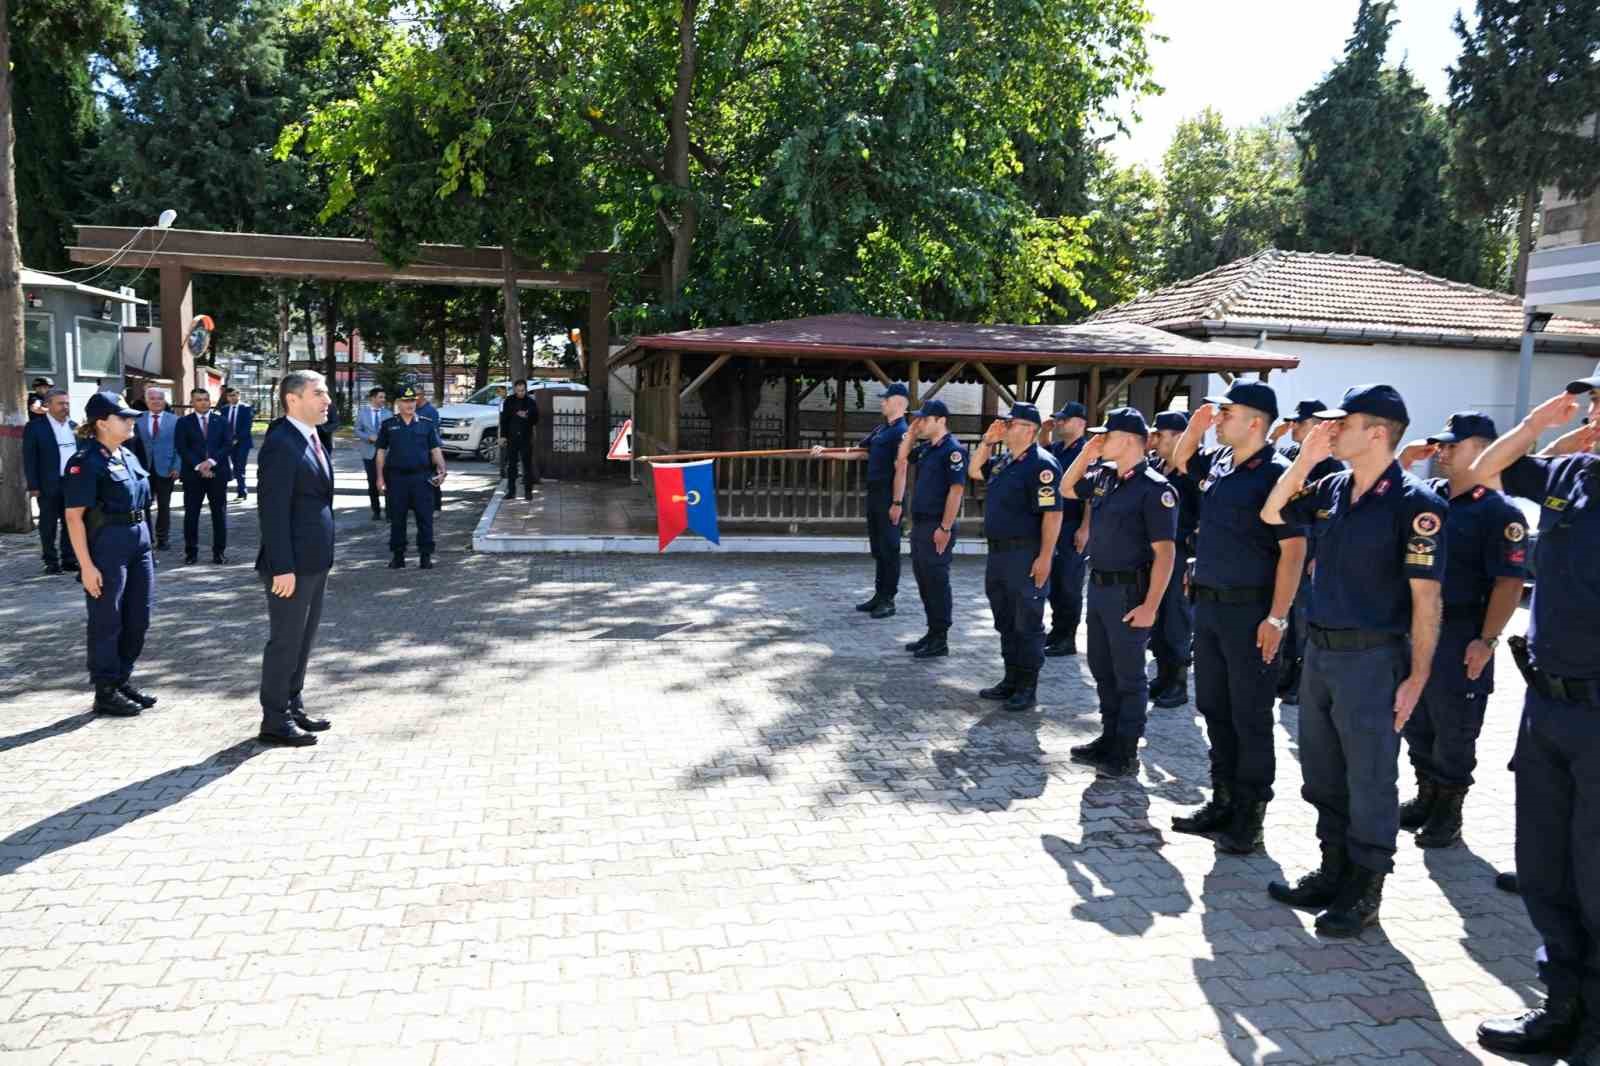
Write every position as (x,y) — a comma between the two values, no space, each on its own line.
(999,763)
(70,724)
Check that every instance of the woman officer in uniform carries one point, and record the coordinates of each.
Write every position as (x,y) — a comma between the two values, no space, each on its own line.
(106,493)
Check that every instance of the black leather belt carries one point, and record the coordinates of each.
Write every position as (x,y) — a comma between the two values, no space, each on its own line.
(122,518)
(406,470)
(1206,594)
(1008,544)
(1565,689)
(1350,639)
(1114,577)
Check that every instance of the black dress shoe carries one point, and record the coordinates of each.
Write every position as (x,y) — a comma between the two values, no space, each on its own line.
(291,737)
(309,724)
(53,568)
(427,561)
(377,516)
(190,558)
(397,561)
(1549,1029)
(107,700)
(220,558)
(143,699)
(870,604)
(937,647)
(885,609)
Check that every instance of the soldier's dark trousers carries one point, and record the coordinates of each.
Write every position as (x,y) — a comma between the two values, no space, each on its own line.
(1018,606)
(371,467)
(120,615)
(1557,764)
(1442,736)
(1349,750)
(1172,638)
(932,571)
(1116,659)
(159,515)
(53,529)
(1234,691)
(520,453)
(213,492)
(884,536)
(1066,586)
(410,494)
(1292,653)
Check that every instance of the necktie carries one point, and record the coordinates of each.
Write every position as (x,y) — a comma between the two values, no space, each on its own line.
(316,449)
(156,432)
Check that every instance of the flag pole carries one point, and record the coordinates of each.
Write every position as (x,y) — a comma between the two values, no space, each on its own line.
(765,453)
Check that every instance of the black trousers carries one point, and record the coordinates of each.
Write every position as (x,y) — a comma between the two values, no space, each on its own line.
(520,452)
(371,467)
(931,568)
(159,515)
(884,537)
(1442,734)
(292,632)
(1172,639)
(1234,691)
(213,491)
(53,530)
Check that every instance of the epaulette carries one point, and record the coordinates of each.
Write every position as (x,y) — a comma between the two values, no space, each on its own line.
(1155,475)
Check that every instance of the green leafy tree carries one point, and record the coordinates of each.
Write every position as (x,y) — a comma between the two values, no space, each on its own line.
(1523,96)
(57,125)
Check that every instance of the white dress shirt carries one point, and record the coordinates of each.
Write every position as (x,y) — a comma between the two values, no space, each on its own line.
(66,441)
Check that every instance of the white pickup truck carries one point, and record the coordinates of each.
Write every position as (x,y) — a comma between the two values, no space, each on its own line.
(472,427)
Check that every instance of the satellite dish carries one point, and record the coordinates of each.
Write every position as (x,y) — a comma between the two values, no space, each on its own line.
(168,217)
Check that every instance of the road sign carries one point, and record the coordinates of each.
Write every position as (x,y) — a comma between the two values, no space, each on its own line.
(622,444)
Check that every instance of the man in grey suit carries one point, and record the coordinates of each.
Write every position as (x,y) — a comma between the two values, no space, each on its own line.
(294,499)
(157,433)
(370,419)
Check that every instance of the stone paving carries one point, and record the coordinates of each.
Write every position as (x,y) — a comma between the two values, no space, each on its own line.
(603,809)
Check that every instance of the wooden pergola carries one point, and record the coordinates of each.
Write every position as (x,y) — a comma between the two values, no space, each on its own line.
(1012,362)
(179,254)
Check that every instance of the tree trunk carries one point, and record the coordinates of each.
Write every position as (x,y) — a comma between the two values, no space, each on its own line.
(330,357)
(15,514)
(441,356)
(513,316)
(683,230)
(311,327)
(1525,240)
(283,328)
(485,340)
(730,398)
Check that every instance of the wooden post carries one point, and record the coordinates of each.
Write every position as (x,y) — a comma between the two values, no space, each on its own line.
(791,412)
(838,412)
(915,384)
(1094,394)
(177,311)
(674,374)
(1022,383)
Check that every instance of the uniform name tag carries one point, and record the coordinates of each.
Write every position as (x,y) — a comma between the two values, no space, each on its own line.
(1555,503)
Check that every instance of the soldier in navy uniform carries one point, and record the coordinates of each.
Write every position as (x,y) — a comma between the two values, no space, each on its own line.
(1557,758)
(1294,646)
(1482,590)
(884,508)
(107,491)
(1246,574)
(1021,521)
(1064,433)
(1172,639)
(1380,544)
(1131,529)
(408,450)
(941,463)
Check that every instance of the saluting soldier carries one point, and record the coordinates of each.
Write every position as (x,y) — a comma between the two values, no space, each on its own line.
(408,448)
(884,508)
(1172,639)
(1557,759)
(1246,575)
(1296,426)
(941,463)
(1021,521)
(1482,589)
(1131,556)
(1064,433)
(1380,548)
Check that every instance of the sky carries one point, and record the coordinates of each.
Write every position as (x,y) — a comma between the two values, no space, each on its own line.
(1250,58)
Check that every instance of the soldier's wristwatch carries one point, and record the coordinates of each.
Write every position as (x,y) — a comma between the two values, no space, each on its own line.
(1491,642)
(1280,624)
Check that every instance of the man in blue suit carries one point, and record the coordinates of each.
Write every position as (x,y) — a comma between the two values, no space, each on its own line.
(238,416)
(157,435)
(205,450)
(47,443)
(294,499)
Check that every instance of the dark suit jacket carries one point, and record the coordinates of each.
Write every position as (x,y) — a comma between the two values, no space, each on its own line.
(41,459)
(194,449)
(294,499)
(242,440)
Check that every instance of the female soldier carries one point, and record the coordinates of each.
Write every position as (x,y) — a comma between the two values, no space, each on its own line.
(107,492)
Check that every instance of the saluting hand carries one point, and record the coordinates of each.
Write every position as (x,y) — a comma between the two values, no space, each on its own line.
(1096,447)
(1405,699)
(283,585)
(995,432)
(1556,411)
(1417,451)
(1318,444)
(92,582)
(1279,430)
(1203,417)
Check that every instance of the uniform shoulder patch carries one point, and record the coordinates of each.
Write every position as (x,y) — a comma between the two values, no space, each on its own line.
(1046,476)
(1515,532)
(1169,499)
(1427,524)
(1153,474)
(74,467)
(956,458)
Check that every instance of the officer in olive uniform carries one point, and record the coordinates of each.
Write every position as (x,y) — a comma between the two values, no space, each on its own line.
(107,492)
(1482,589)
(941,463)
(1294,646)
(1021,521)
(1172,639)
(1246,574)
(1380,558)
(408,448)
(1133,520)
(1557,759)
(1067,431)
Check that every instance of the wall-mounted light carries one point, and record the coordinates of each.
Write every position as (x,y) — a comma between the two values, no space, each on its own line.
(1538,320)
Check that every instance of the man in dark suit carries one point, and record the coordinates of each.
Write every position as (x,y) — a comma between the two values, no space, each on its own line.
(47,443)
(239,417)
(294,499)
(205,448)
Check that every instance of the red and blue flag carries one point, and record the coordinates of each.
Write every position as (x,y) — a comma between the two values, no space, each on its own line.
(686,498)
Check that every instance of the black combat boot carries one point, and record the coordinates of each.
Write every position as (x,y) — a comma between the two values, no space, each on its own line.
(1549,1029)
(1092,752)
(1176,694)
(1316,889)
(143,699)
(1117,764)
(1001,691)
(1025,696)
(1414,812)
(1506,881)
(870,604)
(107,700)
(397,561)
(937,646)
(917,645)
(1356,905)
(1444,821)
(427,561)
(1585,1051)
(1066,644)
(1216,813)
(1245,833)
(885,608)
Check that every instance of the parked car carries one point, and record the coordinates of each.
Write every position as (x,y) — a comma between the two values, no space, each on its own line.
(472,427)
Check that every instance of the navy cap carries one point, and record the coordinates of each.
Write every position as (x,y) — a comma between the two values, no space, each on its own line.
(932,409)
(407,392)
(1258,395)
(895,389)
(1379,401)
(1464,425)
(1027,412)
(1176,421)
(1585,384)
(1306,409)
(105,404)
(41,381)
(1072,409)
(1124,420)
